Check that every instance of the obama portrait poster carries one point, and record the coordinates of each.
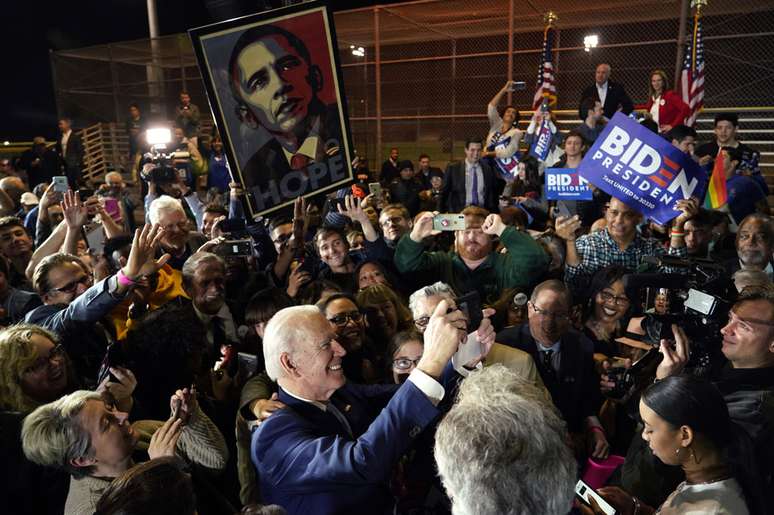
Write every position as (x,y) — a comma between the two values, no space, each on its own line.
(276,93)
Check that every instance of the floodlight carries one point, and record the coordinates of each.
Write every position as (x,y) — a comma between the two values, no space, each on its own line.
(158,136)
(590,41)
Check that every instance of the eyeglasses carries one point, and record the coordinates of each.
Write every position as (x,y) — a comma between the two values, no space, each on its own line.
(343,318)
(395,220)
(559,317)
(618,301)
(404,363)
(42,363)
(73,285)
(422,322)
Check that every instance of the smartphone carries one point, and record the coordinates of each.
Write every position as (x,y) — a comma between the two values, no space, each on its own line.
(561,210)
(517,85)
(85,193)
(247,365)
(449,222)
(114,357)
(112,208)
(584,492)
(470,304)
(242,248)
(375,189)
(94,237)
(60,183)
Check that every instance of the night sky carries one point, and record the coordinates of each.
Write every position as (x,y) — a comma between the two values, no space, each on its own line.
(31,29)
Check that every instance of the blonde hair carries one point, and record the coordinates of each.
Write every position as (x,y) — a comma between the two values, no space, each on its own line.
(17,353)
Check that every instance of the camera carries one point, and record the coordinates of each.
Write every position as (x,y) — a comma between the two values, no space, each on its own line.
(695,301)
(163,170)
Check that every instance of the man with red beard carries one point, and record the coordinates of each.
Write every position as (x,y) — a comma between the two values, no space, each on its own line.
(474,265)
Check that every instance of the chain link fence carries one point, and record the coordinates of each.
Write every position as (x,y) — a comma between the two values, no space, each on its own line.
(430,67)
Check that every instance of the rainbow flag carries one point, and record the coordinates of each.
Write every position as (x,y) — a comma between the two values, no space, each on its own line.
(717,196)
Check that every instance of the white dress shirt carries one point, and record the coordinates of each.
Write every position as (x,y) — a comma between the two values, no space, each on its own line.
(65,139)
(602,92)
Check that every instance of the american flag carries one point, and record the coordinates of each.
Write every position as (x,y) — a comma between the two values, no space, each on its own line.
(545,81)
(692,77)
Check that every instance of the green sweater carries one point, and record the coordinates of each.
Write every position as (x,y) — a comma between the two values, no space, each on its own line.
(523,265)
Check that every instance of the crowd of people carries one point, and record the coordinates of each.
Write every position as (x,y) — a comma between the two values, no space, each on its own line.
(450,342)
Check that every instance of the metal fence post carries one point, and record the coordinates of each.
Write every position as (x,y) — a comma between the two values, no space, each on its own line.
(378,64)
(680,40)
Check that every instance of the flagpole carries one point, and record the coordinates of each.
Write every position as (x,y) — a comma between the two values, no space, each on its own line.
(684,9)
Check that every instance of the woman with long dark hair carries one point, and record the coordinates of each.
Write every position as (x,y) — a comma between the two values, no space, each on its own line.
(686,424)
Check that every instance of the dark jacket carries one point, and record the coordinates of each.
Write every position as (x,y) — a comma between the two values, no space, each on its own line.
(616,98)
(77,325)
(309,463)
(406,193)
(453,193)
(73,158)
(271,182)
(575,391)
(523,265)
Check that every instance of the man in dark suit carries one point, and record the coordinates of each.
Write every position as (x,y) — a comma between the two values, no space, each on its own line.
(70,149)
(333,448)
(611,94)
(276,85)
(565,360)
(471,182)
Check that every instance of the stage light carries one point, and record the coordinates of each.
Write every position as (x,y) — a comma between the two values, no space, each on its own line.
(6,143)
(158,136)
(589,42)
(357,51)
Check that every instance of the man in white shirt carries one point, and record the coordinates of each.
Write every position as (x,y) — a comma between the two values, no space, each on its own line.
(611,94)
(70,150)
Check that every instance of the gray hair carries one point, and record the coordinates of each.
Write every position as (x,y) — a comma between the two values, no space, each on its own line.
(52,435)
(196,260)
(436,289)
(163,204)
(285,329)
(502,449)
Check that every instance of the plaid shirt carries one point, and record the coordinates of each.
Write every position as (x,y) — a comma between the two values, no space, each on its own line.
(599,250)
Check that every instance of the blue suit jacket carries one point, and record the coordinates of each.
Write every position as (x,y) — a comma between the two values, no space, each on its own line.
(309,464)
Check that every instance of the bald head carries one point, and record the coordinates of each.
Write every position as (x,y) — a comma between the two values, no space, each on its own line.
(602,73)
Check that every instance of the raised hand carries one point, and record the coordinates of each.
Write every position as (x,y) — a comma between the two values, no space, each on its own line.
(423,227)
(75,213)
(493,225)
(442,337)
(141,261)
(567,228)
(183,404)
(164,440)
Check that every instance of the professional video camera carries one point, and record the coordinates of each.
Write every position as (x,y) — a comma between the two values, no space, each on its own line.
(158,165)
(697,301)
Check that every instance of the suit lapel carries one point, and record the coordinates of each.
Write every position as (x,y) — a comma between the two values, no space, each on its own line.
(325,423)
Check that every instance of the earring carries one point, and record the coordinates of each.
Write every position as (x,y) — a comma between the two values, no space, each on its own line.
(693,457)
(677,451)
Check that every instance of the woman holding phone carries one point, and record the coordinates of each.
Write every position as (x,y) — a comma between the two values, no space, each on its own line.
(686,424)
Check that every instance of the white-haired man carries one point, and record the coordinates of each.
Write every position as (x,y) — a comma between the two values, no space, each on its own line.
(501,449)
(333,448)
(177,239)
(423,303)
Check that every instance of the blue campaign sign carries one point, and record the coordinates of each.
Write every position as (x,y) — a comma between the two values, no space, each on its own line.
(642,169)
(566,184)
